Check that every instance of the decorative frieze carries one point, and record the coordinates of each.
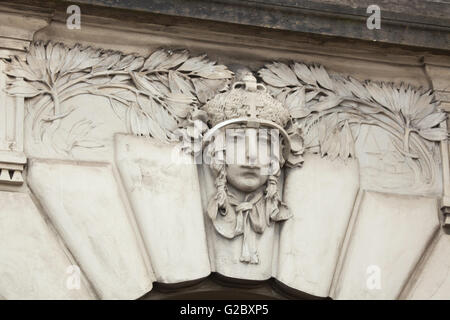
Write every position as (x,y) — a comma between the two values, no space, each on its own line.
(159,96)
(236,218)
(333,111)
(158,92)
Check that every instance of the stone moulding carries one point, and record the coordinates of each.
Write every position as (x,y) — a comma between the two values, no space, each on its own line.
(445,202)
(11,167)
(12,158)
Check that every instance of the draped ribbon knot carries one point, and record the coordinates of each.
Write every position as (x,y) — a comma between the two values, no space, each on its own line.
(244,206)
(248,218)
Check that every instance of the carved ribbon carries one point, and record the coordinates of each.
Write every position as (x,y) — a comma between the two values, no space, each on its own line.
(246,218)
(249,216)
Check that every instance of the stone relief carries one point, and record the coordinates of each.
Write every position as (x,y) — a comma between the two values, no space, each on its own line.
(326,107)
(162,92)
(248,197)
(170,94)
(324,123)
(158,92)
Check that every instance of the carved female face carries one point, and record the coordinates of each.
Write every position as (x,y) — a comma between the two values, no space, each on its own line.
(248,158)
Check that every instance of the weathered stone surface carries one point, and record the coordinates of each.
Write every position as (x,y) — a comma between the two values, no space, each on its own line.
(33,262)
(165,196)
(408,20)
(388,238)
(432,280)
(84,203)
(320,196)
(382,171)
(227,254)
(80,137)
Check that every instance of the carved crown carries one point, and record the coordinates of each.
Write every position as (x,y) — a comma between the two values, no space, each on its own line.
(247,99)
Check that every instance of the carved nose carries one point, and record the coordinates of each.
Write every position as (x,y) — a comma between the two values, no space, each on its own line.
(252,147)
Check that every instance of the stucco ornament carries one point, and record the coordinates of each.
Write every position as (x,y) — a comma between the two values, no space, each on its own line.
(326,106)
(249,120)
(294,109)
(158,92)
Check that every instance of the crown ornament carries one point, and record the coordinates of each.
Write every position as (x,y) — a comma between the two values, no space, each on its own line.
(246,99)
(248,103)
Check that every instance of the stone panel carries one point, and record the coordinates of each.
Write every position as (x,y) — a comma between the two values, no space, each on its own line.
(33,263)
(389,236)
(320,195)
(432,280)
(166,200)
(84,203)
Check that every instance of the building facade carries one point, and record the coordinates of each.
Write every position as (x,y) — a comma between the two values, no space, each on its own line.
(110,112)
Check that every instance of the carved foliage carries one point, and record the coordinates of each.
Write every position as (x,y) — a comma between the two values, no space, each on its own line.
(162,93)
(325,106)
(159,92)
